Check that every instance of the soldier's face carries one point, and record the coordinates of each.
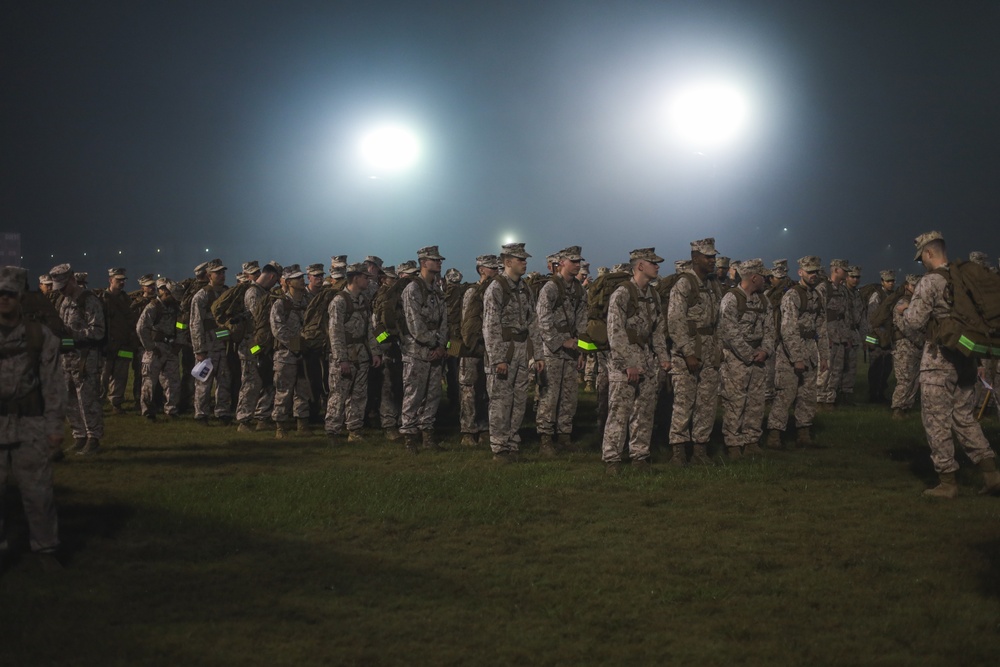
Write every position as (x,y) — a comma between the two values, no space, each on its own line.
(705,263)
(315,281)
(8,302)
(116,285)
(811,278)
(571,265)
(44,288)
(217,278)
(852,281)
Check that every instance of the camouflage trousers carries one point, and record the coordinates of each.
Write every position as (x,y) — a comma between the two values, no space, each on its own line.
(695,400)
(390,405)
(30,465)
(879,369)
(162,366)
(792,389)
(906,366)
(590,368)
(291,392)
(348,398)
(421,394)
(255,401)
(828,381)
(508,398)
(742,401)
(850,370)
(947,410)
(602,384)
(475,401)
(557,404)
(203,391)
(769,378)
(115,376)
(82,370)
(630,418)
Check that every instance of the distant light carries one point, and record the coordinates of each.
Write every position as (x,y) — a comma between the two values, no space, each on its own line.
(84,254)
(786,229)
(52,256)
(508,239)
(157,250)
(119,252)
(390,148)
(206,249)
(708,114)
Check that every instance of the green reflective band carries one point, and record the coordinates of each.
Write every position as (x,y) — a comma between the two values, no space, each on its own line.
(871,339)
(181,326)
(584,345)
(447,345)
(222,333)
(255,349)
(125,354)
(67,342)
(972,346)
(382,336)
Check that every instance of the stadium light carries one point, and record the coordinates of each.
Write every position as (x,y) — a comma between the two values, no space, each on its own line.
(708,115)
(390,148)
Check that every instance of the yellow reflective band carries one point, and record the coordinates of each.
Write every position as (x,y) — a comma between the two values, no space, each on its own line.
(181,325)
(871,339)
(382,336)
(584,345)
(448,345)
(255,349)
(125,354)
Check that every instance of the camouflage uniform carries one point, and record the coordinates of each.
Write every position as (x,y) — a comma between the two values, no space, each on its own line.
(203,329)
(906,353)
(160,362)
(562,314)
(742,335)
(84,320)
(693,332)
(946,382)
(879,359)
(255,400)
(291,386)
(472,383)
(121,344)
(34,400)
(837,306)
(637,337)
(803,339)
(427,329)
(857,326)
(509,327)
(351,340)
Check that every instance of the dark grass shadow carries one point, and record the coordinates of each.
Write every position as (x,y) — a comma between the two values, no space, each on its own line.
(990,577)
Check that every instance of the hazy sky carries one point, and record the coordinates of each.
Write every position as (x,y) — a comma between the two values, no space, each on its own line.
(234,126)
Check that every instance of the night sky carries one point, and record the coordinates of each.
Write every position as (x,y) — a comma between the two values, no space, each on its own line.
(180,126)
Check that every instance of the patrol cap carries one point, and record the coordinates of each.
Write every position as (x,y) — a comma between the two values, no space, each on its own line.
(292,271)
(923,240)
(355,269)
(374,259)
(390,271)
(705,247)
(980,258)
(750,267)
(215,266)
(81,277)
(779,268)
(274,267)
(453,275)
(251,267)
(429,252)
(338,260)
(60,275)
(854,271)
(766,272)
(407,268)
(572,253)
(116,273)
(912,279)
(810,263)
(201,268)
(164,283)
(12,279)
(147,279)
(646,255)
(887,275)
(44,279)
(489,261)
(552,259)
(838,264)
(621,268)
(584,266)
(601,270)
(315,270)
(721,262)
(514,250)
(681,265)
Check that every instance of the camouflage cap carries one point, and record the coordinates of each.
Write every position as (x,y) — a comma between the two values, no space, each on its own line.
(601,270)
(177,291)
(721,262)
(274,266)
(241,277)
(489,261)
(81,277)
(552,259)
(779,268)
(766,272)
(572,253)
(681,265)
(453,276)
(429,252)
(117,273)
(60,275)
(705,246)
(646,255)
(407,268)
(147,280)
(338,260)
(838,264)
(810,263)
(854,271)
(356,269)
(584,266)
(201,268)
(923,240)
(215,266)
(390,271)
(514,250)
(292,271)
(980,258)
(374,259)
(44,279)
(12,279)
(912,279)
(164,282)
(315,270)
(622,268)
(750,267)
(251,267)
(887,275)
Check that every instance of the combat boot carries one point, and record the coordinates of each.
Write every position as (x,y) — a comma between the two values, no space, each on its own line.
(410,442)
(803,438)
(898,415)
(565,442)
(735,453)
(773,439)
(393,434)
(302,425)
(546,449)
(92,447)
(468,440)
(262,425)
(430,442)
(991,478)
(244,428)
(642,466)
(502,458)
(78,445)
(588,387)
(753,449)
(612,468)
(280,431)
(355,436)
(679,456)
(946,488)
(700,456)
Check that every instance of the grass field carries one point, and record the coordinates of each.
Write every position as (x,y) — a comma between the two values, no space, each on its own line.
(190,545)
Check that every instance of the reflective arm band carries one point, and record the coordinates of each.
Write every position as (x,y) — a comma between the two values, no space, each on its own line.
(68,342)
(871,339)
(222,333)
(125,354)
(971,345)
(584,345)
(180,325)
(447,345)
(382,336)
(255,349)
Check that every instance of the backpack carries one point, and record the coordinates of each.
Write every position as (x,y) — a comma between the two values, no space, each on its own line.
(472,321)
(36,307)
(881,319)
(741,303)
(598,299)
(453,296)
(803,294)
(388,310)
(869,289)
(316,320)
(191,287)
(263,338)
(973,325)
(230,311)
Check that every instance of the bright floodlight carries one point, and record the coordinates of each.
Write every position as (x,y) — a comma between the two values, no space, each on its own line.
(708,115)
(390,148)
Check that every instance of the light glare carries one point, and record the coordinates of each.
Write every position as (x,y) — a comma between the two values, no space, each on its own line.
(390,148)
(708,114)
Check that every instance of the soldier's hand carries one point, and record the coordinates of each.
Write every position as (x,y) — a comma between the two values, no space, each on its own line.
(693,364)
(502,370)
(569,343)
(760,357)
(346,369)
(539,366)
(581,363)
(200,357)
(376,361)
(666,366)
(632,374)
(800,367)
(824,366)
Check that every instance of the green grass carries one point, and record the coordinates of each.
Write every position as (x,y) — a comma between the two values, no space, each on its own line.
(193,545)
